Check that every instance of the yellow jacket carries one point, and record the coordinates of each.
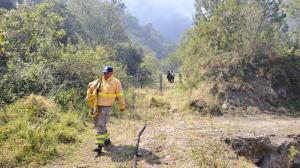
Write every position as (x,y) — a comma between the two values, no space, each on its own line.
(109,90)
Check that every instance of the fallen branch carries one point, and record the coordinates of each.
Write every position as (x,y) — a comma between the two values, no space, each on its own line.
(137,146)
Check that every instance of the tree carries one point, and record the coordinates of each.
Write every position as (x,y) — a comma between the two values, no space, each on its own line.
(246,32)
(146,36)
(42,46)
(3,58)
(2,41)
(131,56)
(292,8)
(242,27)
(101,20)
(32,34)
(205,8)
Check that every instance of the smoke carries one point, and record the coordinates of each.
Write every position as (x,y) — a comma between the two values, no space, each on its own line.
(170,17)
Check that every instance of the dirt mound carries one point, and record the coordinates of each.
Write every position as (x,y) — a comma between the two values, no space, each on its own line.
(272,85)
(264,154)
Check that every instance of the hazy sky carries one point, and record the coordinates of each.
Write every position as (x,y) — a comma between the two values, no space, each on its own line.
(170,17)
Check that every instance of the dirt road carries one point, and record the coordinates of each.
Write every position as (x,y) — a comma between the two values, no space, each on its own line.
(179,140)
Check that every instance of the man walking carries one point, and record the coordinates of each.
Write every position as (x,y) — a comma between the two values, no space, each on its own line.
(170,77)
(101,96)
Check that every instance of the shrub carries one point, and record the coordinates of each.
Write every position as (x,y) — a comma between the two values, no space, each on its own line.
(69,99)
(32,129)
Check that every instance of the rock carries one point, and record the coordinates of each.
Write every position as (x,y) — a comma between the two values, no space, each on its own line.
(225,106)
(214,110)
(175,110)
(214,90)
(198,105)
(227,141)
(282,92)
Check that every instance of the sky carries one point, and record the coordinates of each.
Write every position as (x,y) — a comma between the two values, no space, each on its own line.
(170,17)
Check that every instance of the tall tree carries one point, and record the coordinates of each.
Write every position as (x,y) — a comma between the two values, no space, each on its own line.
(101,20)
(205,8)
(293,11)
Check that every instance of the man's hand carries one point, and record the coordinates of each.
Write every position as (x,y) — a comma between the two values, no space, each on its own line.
(93,112)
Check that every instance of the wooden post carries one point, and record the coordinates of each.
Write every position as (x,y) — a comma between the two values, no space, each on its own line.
(160,83)
(138,81)
(133,101)
(180,77)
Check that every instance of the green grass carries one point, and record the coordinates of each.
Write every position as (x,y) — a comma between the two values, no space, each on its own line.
(32,130)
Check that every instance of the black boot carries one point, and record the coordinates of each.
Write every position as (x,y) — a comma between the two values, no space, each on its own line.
(98,150)
(107,145)
(107,142)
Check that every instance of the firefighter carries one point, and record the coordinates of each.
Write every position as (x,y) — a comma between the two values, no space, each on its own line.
(101,95)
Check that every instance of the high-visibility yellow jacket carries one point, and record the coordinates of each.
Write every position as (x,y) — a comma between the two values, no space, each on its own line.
(108,91)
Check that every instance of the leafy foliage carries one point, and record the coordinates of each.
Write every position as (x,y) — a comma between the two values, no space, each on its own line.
(132,56)
(44,45)
(247,30)
(101,21)
(233,41)
(55,49)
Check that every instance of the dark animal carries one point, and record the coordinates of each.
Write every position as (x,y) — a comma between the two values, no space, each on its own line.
(170,77)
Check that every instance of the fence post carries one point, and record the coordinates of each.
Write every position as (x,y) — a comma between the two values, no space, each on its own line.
(180,77)
(133,101)
(160,83)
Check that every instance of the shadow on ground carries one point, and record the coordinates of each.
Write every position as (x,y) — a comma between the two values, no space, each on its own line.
(122,153)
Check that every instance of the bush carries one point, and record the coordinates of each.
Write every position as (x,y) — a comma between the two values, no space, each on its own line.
(69,99)
(32,129)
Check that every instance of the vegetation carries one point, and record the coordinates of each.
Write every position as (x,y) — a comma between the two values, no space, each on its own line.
(42,47)
(53,50)
(237,47)
(33,129)
(151,39)
(239,55)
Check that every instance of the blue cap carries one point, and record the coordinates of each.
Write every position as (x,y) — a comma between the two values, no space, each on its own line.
(107,69)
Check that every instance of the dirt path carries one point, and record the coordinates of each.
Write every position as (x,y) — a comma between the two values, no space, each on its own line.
(174,138)
(191,141)
(180,141)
